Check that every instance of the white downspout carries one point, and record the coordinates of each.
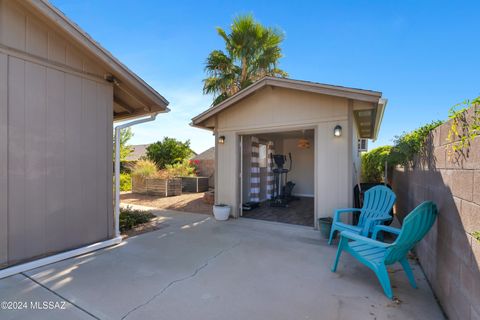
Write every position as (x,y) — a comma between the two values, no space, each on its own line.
(117,166)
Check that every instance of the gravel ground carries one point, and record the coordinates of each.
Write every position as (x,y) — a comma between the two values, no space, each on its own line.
(188,202)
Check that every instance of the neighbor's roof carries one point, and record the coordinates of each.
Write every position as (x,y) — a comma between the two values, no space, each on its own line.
(138,151)
(208,154)
(307,86)
(142,99)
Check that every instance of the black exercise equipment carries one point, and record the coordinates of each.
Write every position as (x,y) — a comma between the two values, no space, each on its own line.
(249,206)
(282,188)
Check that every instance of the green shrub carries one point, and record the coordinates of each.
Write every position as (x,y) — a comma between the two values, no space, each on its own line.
(169,151)
(125,182)
(186,168)
(130,218)
(410,144)
(476,235)
(144,169)
(373,163)
(406,147)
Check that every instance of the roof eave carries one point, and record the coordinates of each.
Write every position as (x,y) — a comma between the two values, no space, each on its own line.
(382,104)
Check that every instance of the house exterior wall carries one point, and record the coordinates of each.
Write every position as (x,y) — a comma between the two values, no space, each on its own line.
(278,109)
(55,142)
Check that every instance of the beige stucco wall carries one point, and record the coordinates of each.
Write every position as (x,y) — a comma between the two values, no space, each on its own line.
(278,109)
(55,142)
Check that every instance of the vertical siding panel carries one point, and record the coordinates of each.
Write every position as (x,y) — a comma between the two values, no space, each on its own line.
(3,158)
(17,238)
(101,145)
(73,160)
(57,49)
(55,221)
(89,163)
(13,32)
(35,162)
(109,151)
(37,38)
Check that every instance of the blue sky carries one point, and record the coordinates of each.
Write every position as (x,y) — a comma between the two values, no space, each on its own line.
(423,55)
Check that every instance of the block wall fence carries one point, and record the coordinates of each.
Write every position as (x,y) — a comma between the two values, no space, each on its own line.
(449,254)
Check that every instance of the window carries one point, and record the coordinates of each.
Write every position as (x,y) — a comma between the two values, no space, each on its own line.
(262,155)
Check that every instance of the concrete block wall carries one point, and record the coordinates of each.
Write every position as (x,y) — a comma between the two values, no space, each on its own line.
(449,254)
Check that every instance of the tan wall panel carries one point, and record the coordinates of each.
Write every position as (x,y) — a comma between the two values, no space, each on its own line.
(89,148)
(37,38)
(35,158)
(278,107)
(3,158)
(226,192)
(73,161)
(12,28)
(55,153)
(57,48)
(109,160)
(16,160)
(101,152)
(59,161)
(332,169)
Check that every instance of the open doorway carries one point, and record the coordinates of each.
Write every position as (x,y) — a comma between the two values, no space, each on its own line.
(277,177)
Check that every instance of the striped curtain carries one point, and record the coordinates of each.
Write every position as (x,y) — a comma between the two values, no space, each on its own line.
(270,182)
(254,172)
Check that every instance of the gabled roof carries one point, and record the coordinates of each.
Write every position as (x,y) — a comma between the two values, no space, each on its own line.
(146,99)
(208,154)
(306,86)
(139,151)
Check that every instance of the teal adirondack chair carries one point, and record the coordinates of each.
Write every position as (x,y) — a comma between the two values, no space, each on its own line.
(377,204)
(378,255)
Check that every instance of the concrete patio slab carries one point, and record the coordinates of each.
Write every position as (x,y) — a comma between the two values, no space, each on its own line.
(22,298)
(198,268)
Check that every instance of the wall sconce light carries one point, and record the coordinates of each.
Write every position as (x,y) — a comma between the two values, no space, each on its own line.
(337,132)
(221,139)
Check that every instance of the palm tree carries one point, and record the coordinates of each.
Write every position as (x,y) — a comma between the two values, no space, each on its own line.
(251,52)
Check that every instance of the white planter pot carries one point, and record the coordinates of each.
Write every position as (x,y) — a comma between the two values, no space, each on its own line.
(221,213)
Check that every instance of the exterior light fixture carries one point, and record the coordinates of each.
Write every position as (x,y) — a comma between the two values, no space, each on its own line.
(221,139)
(337,132)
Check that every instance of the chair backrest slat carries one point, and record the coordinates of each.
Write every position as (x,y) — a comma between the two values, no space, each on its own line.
(378,201)
(415,226)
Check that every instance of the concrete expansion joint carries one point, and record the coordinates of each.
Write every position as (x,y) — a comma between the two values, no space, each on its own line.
(188,277)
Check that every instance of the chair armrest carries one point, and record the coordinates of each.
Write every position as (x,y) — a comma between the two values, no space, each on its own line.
(337,213)
(366,240)
(381,227)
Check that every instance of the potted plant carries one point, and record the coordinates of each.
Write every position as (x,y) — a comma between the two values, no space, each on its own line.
(221,211)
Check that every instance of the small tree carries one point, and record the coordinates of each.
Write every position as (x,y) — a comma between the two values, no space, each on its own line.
(169,151)
(125,149)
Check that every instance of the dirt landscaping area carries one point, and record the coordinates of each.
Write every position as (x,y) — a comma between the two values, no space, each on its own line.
(187,202)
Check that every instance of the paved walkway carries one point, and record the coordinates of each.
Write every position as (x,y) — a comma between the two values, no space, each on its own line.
(198,268)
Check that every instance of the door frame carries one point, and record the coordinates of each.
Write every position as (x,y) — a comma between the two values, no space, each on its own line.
(267,130)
